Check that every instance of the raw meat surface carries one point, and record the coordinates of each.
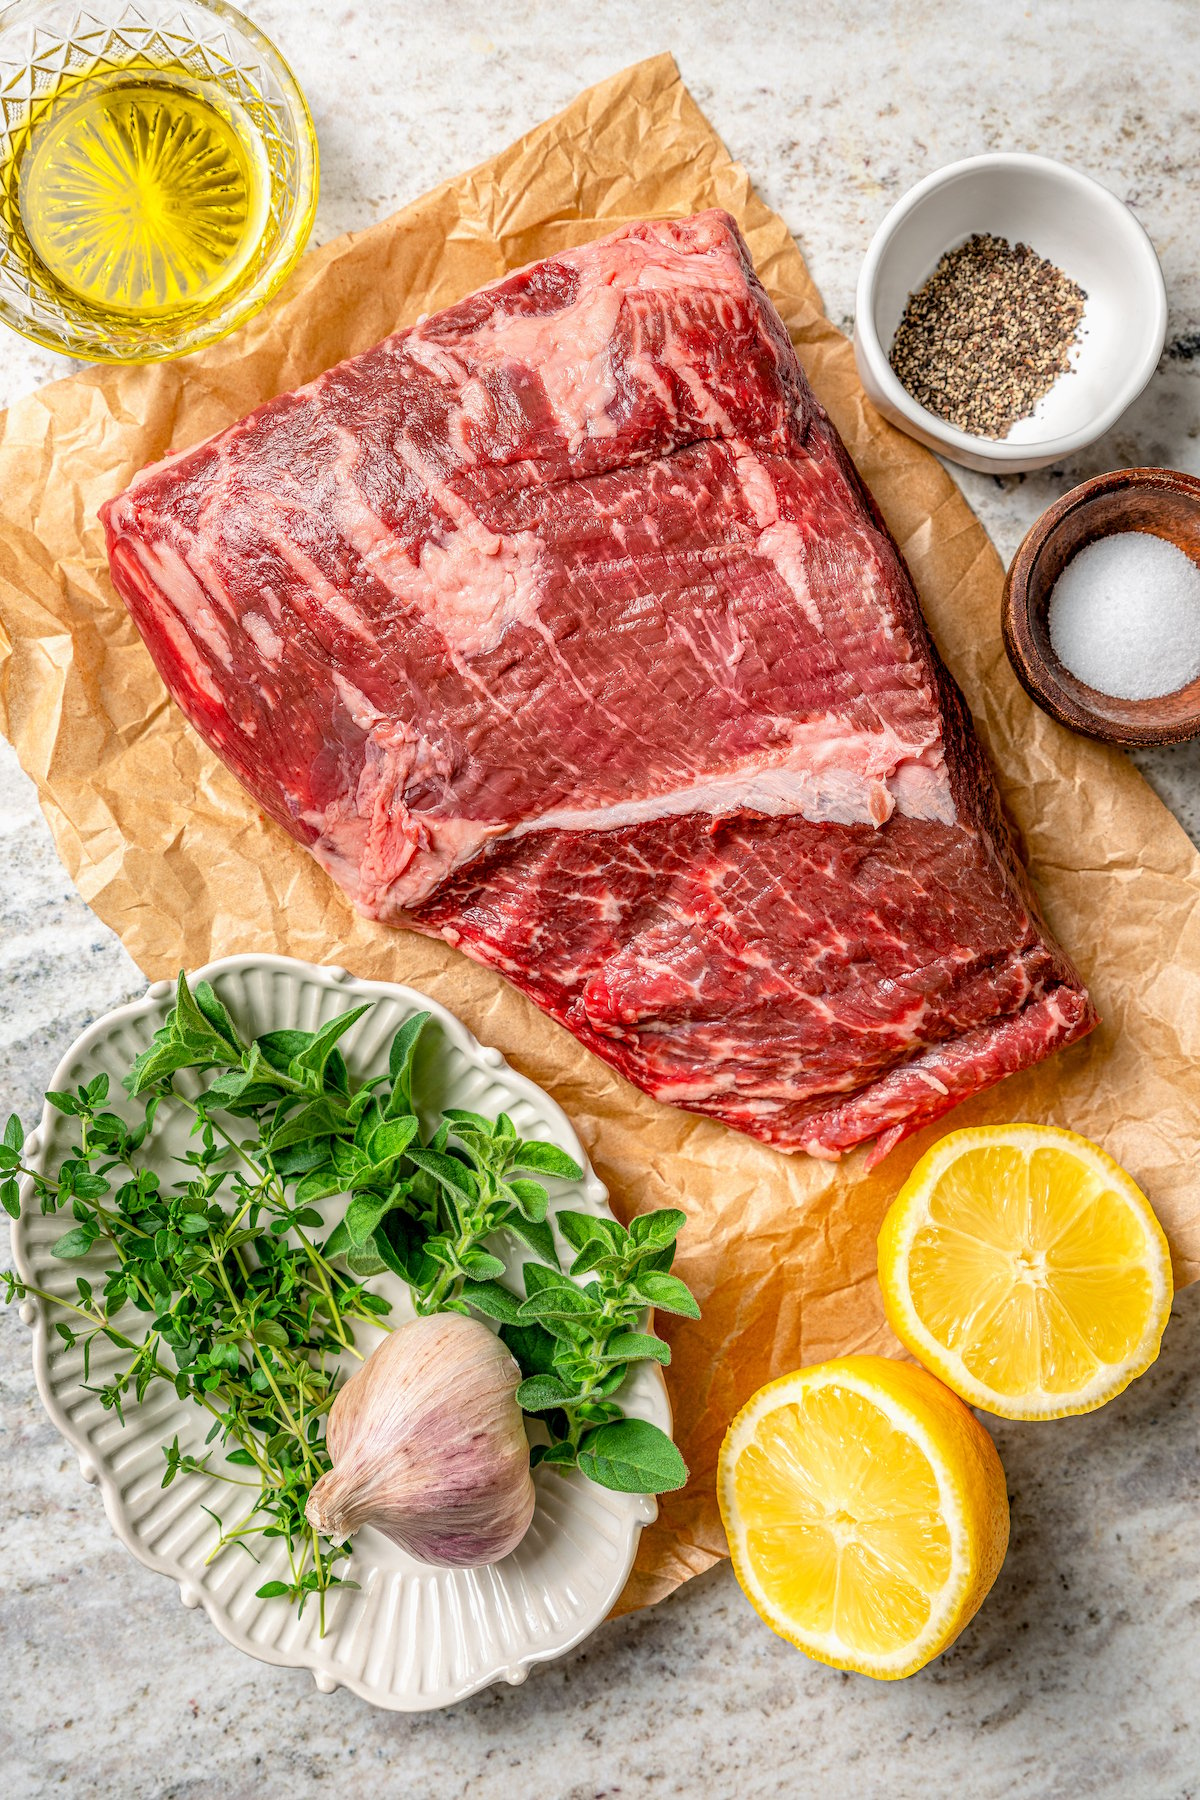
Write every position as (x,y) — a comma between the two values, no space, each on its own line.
(562,625)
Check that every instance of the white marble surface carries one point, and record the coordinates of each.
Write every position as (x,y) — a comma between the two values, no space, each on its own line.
(1078,1677)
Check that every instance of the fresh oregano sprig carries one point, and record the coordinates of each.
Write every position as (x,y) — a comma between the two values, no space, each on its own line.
(432,1226)
(220,1283)
(580,1343)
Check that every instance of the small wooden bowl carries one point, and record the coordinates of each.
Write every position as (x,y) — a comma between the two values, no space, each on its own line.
(1163,502)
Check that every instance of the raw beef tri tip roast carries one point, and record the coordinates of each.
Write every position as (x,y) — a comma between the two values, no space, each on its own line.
(562,626)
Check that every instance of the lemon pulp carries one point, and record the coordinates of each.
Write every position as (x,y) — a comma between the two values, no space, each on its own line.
(145,195)
(831,1552)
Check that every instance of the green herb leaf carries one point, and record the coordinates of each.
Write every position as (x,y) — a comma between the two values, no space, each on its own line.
(659,1259)
(446,1170)
(542,1393)
(400,1063)
(300,1159)
(480,1266)
(475,1121)
(212,1009)
(546,1159)
(562,1455)
(567,1302)
(632,1456)
(655,1230)
(493,1299)
(666,1292)
(391,1139)
(390,1257)
(636,1346)
(76,1242)
(314,1058)
(156,1064)
(539,1237)
(532,1346)
(597,1412)
(244,1092)
(188,1020)
(319,1184)
(402,1243)
(365,1260)
(281,1048)
(582,1229)
(597,1255)
(338,1241)
(348,1160)
(90,1187)
(362,1216)
(531,1198)
(320,1118)
(537,1277)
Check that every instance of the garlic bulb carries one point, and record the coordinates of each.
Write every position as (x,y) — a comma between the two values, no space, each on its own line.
(428,1445)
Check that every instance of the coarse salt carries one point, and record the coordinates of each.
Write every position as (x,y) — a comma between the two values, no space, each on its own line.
(1125,616)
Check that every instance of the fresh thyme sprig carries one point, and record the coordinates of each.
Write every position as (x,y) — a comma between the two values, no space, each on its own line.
(214,1286)
(225,1285)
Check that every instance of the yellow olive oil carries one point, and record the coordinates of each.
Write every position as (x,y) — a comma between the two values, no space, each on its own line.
(143,192)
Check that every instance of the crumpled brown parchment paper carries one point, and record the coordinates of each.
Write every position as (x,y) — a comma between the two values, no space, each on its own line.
(170,852)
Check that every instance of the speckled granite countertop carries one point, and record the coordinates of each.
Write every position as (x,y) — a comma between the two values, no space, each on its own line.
(1078,1678)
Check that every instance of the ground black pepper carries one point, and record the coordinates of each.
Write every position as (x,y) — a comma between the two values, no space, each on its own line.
(987,335)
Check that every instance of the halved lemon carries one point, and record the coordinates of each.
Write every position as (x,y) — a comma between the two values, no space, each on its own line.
(1027,1269)
(866,1512)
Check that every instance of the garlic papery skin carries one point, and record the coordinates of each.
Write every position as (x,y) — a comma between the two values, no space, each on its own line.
(428,1446)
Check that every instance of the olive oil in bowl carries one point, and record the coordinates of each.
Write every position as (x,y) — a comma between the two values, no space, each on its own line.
(143,192)
(158,174)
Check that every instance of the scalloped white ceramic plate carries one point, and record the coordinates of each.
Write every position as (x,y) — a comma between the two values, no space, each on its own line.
(412,1637)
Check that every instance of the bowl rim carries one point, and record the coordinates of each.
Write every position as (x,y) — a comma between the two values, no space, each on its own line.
(292,246)
(1039,678)
(1002,450)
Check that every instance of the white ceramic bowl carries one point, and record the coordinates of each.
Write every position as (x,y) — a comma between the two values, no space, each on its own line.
(1074,222)
(412,1636)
